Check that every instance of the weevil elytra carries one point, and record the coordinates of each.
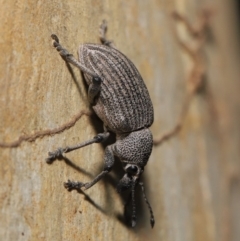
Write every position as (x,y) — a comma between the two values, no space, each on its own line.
(121,100)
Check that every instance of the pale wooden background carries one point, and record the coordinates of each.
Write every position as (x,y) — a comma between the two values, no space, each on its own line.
(192,180)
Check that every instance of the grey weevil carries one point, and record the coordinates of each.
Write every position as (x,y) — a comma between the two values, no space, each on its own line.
(121,100)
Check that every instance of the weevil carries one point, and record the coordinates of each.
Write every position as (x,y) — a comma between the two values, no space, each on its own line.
(119,97)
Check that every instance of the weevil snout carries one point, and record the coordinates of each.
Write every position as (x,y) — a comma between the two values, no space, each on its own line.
(132,175)
(125,183)
(131,180)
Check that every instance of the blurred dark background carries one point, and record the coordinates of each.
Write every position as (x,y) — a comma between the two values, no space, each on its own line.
(237,2)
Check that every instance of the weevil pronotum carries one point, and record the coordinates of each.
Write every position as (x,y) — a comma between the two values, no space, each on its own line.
(121,100)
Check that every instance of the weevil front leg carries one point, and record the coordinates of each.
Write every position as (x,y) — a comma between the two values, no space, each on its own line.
(102,34)
(60,151)
(108,164)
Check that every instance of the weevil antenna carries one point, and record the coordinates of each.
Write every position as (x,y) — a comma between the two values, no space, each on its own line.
(152,221)
(133,205)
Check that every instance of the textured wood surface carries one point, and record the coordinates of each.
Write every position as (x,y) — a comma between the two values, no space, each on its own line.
(192,179)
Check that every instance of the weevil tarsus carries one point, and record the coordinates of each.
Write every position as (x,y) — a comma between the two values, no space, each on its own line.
(102,34)
(71,185)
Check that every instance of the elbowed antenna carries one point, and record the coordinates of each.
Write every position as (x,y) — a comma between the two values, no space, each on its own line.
(152,220)
(133,205)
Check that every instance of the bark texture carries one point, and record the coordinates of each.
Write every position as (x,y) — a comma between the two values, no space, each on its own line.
(192,179)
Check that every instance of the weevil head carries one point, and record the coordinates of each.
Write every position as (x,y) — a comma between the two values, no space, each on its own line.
(133,150)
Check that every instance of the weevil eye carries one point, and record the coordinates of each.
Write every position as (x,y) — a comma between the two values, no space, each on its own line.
(132,169)
(96,80)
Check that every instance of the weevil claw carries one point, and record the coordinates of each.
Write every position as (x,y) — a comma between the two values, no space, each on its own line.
(71,185)
(55,38)
(54,155)
(152,221)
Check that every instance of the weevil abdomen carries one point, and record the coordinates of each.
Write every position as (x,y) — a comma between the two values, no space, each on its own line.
(123,104)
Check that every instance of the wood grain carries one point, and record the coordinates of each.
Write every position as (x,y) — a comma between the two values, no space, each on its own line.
(192,179)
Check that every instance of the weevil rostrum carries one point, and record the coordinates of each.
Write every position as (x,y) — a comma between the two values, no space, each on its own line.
(119,97)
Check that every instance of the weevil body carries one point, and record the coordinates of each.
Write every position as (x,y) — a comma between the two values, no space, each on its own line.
(121,100)
(123,104)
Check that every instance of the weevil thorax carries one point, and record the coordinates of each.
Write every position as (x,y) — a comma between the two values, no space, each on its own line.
(133,150)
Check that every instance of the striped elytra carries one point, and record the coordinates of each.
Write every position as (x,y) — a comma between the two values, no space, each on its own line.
(123,104)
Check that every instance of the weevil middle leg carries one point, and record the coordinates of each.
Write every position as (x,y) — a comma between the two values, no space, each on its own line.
(59,152)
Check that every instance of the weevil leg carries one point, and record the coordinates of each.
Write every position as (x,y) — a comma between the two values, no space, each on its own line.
(95,86)
(94,89)
(102,34)
(59,152)
(69,57)
(108,164)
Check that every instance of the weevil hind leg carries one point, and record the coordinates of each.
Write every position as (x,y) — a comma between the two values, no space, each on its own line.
(95,86)
(69,57)
(102,34)
(108,164)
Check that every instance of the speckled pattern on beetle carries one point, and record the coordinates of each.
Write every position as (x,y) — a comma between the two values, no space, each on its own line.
(119,97)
